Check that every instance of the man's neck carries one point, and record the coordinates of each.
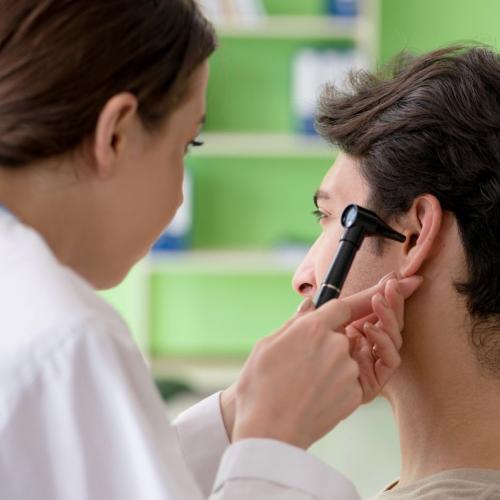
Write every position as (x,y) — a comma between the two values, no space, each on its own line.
(445,407)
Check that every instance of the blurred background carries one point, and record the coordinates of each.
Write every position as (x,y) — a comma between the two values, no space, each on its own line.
(219,278)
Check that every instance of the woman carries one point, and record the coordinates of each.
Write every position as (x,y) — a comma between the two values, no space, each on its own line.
(99,102)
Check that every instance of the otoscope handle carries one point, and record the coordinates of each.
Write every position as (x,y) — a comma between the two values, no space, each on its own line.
(337,274)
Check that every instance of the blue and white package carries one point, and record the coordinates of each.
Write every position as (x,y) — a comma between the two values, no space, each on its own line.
(348,8)
(306,84)
(312,69)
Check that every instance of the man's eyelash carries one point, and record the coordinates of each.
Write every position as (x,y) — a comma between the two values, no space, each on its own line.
(319,215)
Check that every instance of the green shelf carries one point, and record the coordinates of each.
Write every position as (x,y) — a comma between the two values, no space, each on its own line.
(203,313)
(295,7)
(304,29)
(250,89)
(131,300)
(207,304)
(255,202)
(253,186)
(270,145)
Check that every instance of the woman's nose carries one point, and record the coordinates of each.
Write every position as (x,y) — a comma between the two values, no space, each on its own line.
(304,282)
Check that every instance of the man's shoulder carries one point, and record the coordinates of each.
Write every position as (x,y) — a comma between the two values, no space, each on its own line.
(455,484)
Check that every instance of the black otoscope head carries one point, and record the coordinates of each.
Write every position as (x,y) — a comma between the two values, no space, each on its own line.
(372,224)
(359,222)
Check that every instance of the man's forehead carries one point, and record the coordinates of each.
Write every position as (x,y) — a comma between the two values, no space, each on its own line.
(343,182)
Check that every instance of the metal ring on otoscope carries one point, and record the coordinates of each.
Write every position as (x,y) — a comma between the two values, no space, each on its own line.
(330,286)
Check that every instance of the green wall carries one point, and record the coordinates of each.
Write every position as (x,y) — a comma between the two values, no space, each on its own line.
(254,202)
(423,25)
(216,312)
(250,87)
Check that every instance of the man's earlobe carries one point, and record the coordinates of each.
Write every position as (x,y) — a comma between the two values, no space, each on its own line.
(423,223)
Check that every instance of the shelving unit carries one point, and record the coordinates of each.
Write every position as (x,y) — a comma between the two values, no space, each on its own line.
(270,145)
(301,28)
(228,261)
(253,185)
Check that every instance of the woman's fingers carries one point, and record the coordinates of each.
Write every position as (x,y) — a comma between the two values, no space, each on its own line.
(388,320)
(358,324)
(388,355)
(375,345)
(361,303)
(395,299)
(305,306)
(361,352)
(375,339)
(408,286)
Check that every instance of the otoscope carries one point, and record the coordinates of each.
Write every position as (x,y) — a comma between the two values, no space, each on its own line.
(359,222)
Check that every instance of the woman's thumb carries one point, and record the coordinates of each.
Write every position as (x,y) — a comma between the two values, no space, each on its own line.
(307,305)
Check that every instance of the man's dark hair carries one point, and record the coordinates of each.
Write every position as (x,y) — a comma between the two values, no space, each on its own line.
(431,125)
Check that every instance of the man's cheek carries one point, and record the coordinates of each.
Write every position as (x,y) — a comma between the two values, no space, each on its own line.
(325,257)
(365,272)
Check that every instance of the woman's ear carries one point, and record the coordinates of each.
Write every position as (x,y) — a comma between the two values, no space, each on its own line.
(422,225)
(114,128)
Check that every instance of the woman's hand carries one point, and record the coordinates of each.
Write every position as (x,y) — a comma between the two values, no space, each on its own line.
(376,339)
(300,382)
(366,307)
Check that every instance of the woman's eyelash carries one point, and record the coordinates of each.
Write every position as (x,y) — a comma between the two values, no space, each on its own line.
(195,143)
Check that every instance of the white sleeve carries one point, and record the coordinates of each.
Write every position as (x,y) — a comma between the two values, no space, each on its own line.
(278,469)
(85,422)
(203,440)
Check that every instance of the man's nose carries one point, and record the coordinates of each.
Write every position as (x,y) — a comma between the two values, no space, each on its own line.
(304,281)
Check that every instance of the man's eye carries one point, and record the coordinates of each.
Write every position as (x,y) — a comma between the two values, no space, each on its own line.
(319,215)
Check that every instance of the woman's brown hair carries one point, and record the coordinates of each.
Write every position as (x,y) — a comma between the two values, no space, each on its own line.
(62,60)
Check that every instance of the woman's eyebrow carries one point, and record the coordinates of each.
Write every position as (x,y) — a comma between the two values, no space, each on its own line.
(320,195)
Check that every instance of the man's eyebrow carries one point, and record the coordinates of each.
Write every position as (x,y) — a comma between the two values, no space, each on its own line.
(320,195)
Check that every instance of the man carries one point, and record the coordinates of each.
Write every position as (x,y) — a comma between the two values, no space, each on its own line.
(421,147)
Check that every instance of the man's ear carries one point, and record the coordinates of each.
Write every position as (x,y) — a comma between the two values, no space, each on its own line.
(114,128)
(422,224)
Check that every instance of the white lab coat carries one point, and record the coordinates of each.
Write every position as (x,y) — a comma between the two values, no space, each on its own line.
(81,419)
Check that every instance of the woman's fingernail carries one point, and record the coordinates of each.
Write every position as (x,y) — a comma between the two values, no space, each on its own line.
(387,277)
(395,284)
(306,305)
(383,300)
(408,285)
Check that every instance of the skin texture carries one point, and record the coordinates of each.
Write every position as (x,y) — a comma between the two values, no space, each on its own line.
(444,406)
(102,207)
